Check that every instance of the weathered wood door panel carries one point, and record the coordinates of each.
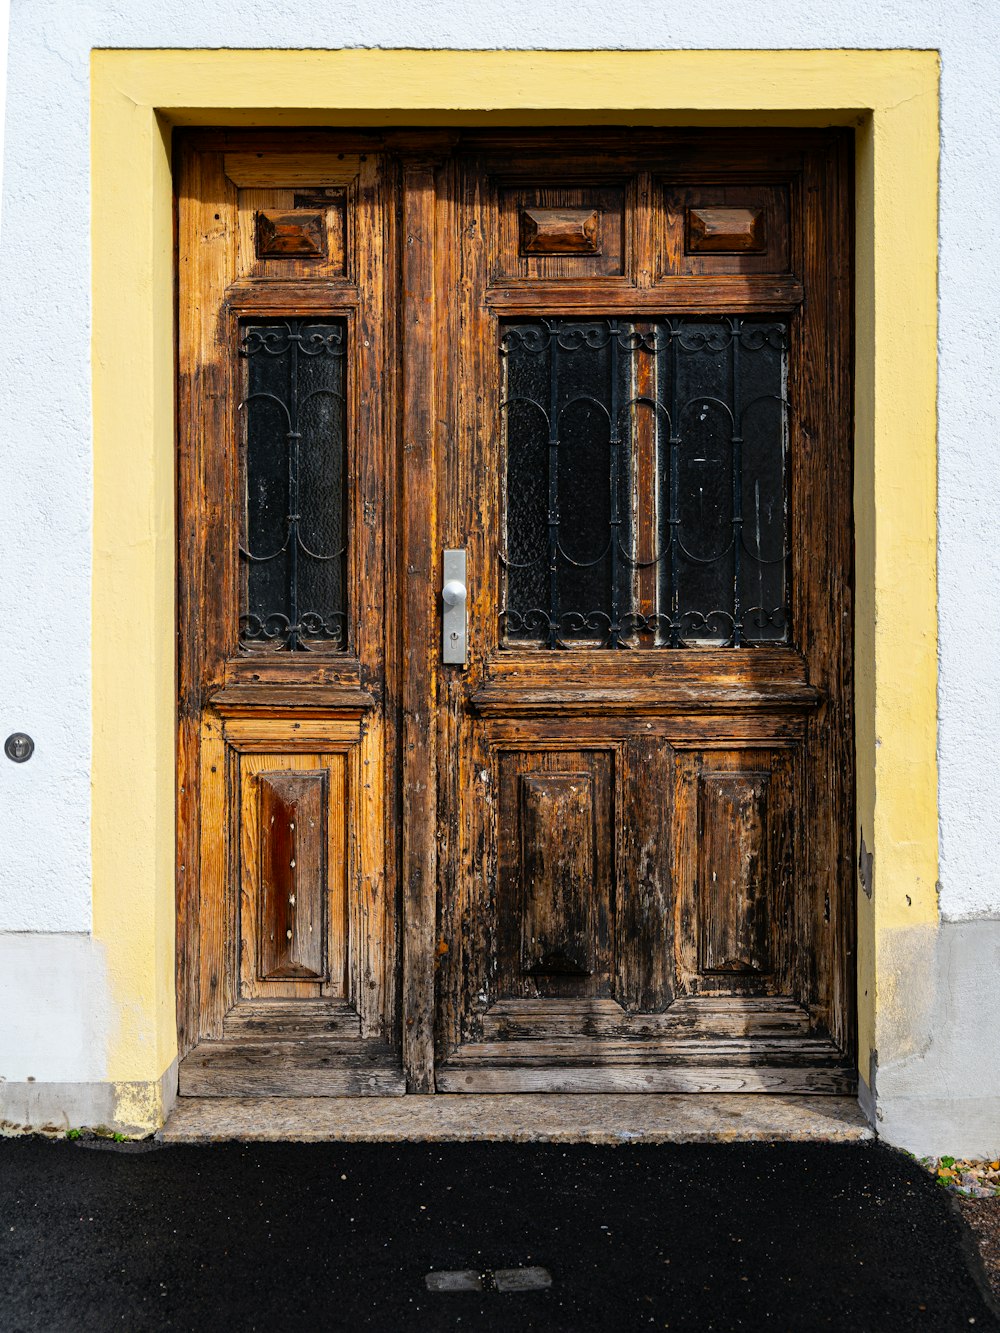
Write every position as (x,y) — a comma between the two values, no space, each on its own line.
(288,811)
(556,878)
(644,767)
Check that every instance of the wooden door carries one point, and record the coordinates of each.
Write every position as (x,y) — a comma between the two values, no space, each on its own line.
(644,768)
(612,849)
(288,751)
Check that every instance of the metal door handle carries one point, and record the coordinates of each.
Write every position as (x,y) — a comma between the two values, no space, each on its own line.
(454,596)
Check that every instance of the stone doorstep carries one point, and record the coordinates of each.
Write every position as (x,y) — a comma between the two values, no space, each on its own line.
(520,1118)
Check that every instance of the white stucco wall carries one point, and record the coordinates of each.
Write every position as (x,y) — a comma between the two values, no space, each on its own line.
(45,446)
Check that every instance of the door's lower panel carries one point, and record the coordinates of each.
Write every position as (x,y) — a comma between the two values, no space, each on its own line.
(813,1066)
(303,1068)
(297,978)
(638,911)
(722,1044)
(287,1048)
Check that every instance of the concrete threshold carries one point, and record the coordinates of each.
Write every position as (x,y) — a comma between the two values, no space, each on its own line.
(520,1118)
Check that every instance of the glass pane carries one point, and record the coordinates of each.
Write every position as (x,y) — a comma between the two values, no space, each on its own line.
(293,548)
(764,531)
(608,549)
(701,406)
(725,581)
(567,479)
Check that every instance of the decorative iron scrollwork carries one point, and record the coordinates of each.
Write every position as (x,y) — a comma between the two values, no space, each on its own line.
(646,481)
(293,547)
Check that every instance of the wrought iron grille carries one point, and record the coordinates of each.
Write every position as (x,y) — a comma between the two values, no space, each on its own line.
(293,545)
(646,476)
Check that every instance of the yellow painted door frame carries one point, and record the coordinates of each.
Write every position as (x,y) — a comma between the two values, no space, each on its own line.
(890,97)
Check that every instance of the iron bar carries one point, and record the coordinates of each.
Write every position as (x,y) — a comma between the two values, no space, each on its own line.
(737,445)
(293,439)
(673,500)
(553,639)
(614,449)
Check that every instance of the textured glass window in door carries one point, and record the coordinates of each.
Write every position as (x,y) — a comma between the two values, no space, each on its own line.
(646,482)
(293,545)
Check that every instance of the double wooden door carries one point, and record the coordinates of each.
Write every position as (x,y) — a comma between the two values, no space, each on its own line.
(516,747)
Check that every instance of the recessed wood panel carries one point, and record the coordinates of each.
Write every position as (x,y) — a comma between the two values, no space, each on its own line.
(293,874)
(718,228)
(556,837)
(734,898)
(557,873)
(736,844)
(560,231)
(291,926)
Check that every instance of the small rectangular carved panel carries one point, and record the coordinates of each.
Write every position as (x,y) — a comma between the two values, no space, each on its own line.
(299,234)
(557,870)
(294,233)
(715,227)
(734,889)
(556,229)
(726,230)
(292,812)
(560,231)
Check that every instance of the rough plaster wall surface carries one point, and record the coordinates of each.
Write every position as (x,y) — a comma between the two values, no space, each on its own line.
(938,1077)
(55,1010)
(45,449)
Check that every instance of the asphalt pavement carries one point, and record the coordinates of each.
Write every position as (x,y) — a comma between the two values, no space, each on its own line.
(438,1236)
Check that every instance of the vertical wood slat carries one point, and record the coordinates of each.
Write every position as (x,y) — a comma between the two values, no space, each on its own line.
(215,991)
(372,788)
(467,488)
(187,962)
(645,424)
(419,583)
(825,920)
(840,906)
(644,925)
(647,540)
(206,209)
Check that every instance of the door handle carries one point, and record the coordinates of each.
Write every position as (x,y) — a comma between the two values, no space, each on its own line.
(454,619)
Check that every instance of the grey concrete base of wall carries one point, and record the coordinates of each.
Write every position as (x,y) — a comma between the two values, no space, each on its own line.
(135,1109)
(937,1075)
(934,1087)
